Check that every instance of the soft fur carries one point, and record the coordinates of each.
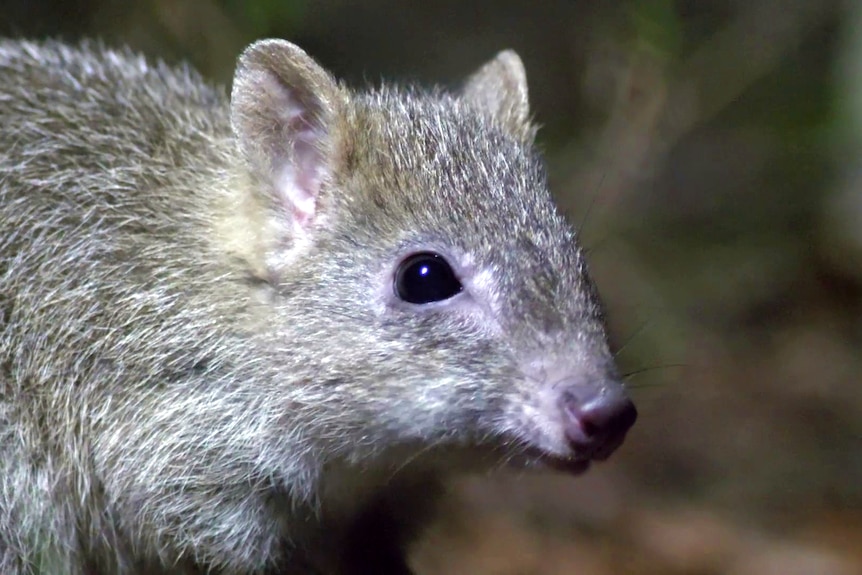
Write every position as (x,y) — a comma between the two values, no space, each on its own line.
(203,367)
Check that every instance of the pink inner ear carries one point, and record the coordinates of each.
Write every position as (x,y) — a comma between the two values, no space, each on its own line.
(297,180)
(298,173)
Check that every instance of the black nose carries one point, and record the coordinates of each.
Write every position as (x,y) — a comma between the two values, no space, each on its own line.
(596,418)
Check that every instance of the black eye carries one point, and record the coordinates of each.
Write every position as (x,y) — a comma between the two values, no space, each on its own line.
(425,277)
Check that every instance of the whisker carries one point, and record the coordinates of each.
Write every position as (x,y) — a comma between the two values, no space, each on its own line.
(583,223)
(653,368)
(638,330)
(408,460)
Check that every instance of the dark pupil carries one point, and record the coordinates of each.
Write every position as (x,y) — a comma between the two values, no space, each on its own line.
(425,278)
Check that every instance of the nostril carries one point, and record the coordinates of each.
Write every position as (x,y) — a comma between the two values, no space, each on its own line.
(595,423)
(590,423)
(608,417)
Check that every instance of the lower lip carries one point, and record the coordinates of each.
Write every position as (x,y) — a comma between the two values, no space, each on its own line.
(572,466)
(561,464)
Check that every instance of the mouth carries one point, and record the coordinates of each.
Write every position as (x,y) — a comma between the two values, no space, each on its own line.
(576,463)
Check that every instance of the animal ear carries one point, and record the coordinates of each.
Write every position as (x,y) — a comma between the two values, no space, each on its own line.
(284,110)
(499,88)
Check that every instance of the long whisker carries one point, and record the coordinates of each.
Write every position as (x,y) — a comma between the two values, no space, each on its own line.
(583,223)
(638,330)
(631,374)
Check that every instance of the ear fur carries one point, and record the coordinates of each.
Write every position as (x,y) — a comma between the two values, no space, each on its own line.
(499,88)
(284,113)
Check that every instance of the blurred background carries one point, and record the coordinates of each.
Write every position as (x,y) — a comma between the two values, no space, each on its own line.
(711,151)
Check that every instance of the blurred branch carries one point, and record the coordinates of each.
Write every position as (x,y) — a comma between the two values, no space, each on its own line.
(729,63)
(655,102)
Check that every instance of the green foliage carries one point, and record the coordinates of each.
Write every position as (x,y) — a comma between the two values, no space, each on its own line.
(261,16)
(657,27)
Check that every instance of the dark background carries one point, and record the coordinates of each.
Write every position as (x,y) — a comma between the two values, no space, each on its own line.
(710,149)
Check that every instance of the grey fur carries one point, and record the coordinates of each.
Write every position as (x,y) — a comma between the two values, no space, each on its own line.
(190,380)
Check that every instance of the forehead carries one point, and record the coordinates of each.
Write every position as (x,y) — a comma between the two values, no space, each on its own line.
(433,160)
